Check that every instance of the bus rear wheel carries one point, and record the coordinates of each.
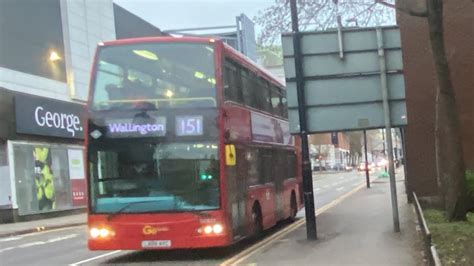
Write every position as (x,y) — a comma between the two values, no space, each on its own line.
(293,208)
(257,219)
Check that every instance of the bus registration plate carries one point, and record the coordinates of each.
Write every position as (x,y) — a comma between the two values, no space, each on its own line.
(156,244)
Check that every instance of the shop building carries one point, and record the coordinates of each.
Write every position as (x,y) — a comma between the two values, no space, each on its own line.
(46,52)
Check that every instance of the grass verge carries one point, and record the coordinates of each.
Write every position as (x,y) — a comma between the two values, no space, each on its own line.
(470,182)
(454,241)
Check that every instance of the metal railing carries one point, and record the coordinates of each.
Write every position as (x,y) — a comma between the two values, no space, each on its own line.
(430,250)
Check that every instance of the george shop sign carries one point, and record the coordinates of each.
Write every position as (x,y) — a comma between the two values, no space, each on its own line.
(46,117)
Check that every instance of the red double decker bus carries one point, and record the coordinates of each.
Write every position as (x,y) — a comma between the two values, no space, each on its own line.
(188,146)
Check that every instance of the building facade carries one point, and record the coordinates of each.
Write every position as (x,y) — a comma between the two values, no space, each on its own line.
(46,53)
(421,83)
(329,151)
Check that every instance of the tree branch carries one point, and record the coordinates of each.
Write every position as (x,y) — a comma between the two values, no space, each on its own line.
(411,12)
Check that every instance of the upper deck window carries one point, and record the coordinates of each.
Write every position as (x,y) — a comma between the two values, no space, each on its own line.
(155,75)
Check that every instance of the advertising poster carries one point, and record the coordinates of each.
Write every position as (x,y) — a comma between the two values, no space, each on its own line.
(44,179)
(268,129)
(77,175)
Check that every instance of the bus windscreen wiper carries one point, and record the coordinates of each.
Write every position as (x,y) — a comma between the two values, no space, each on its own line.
(128,205)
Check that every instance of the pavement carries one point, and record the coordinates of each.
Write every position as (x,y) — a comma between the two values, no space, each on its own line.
(357,231)
(355,228)
(19,228)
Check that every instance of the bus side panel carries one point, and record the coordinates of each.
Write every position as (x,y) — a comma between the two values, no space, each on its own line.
(237,124)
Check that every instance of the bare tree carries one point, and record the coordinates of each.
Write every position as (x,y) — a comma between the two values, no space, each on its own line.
(321,15)
(355,145)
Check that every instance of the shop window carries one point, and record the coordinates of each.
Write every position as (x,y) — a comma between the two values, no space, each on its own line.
(42,178)
(30,32)
(25,179)
(60,172)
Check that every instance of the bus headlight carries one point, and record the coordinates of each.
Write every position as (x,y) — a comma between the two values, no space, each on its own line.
(208,229)
(104,232)
(94,232)
(217,229)
(101,232)
(211,229)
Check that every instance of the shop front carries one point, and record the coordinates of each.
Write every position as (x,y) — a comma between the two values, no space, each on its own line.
(41,157)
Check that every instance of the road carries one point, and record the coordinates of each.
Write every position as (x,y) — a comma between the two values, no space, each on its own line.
(68,245)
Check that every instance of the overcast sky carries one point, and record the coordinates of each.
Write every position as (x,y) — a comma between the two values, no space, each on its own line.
(177,14)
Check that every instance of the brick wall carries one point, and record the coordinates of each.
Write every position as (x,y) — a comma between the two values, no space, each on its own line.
(421,82)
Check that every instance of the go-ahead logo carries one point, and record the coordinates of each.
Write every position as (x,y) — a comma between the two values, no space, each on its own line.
(68,122)
(153,230)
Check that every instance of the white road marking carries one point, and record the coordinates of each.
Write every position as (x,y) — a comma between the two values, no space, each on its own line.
(317,189)
(50,230)
(96,257)
(10,238)
(7,249)
(339,188)
(341,177)
(326,186)
(37,243)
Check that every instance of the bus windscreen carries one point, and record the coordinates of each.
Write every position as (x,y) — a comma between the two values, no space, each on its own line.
(143,177)
(154,75)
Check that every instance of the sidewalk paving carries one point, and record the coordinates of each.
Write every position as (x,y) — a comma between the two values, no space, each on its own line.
(359,230)
(42,225)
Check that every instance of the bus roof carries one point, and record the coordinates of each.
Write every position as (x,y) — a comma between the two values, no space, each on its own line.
(159,39)
(247,62)
(230,51)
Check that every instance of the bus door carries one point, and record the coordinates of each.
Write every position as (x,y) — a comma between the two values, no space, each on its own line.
(237,192)
(279,171)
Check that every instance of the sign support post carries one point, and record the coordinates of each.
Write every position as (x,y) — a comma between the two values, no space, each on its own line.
(388,128)
(367,175)
(311,232)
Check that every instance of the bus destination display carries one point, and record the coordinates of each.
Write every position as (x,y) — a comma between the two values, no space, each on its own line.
(189,125)
(154,127)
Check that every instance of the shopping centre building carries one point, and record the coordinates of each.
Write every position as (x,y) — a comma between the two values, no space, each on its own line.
(46,52)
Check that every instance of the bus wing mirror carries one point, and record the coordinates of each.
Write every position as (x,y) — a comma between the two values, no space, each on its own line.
(230,156)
